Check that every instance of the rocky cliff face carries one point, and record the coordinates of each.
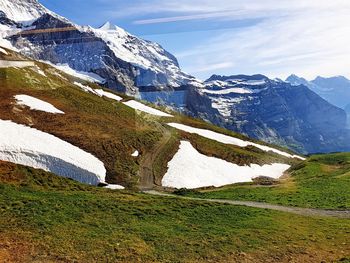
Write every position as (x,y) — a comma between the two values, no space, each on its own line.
(125,61)
(273,111)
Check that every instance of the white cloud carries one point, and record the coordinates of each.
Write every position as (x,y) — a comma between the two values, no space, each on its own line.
(305,37)
(308,39)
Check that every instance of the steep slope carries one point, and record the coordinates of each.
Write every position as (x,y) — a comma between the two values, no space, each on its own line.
(111,127)
(273,111)
(125,61)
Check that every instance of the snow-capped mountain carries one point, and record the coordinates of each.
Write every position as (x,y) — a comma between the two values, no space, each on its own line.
(125,61)
(273,111)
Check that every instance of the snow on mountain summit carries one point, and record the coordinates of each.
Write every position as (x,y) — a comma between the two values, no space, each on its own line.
(125,61)
(22,10)
(109,26)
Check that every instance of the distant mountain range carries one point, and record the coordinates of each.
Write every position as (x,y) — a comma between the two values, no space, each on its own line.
(270,110)
(336,90)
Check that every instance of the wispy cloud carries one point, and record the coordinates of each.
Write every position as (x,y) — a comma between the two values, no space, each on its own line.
(187,17)
(303,38)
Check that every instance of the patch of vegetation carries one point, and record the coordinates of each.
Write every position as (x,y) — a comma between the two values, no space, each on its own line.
(45,218)
(323,181)
(108,129)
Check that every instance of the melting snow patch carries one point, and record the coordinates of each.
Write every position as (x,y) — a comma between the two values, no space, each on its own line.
(16,64)
(85,88)
(3,51)
(135,153)
(229,140)
(36,104)
(27,146)
(191,169)
(110,95)
(98,92)
(87,76)
(114,187)
(142,107)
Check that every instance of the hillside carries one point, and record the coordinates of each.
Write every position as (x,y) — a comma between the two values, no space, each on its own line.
(134,146)
(46,218)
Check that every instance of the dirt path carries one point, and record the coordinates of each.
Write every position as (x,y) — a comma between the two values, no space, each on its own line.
(147,180)
(288,209)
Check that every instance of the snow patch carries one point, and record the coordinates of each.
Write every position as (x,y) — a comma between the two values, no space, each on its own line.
(27,146)
(36,104)
(114,187)
(110,95)
(87,76)
(135,153)
(16,64)
(142,107)
(3,51)
(228,91)
(191,169)
(85,88)
(229,140)
(98,92)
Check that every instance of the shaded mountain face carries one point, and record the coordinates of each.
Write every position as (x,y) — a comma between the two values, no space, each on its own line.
(125,61)
(273,111)
(336,90)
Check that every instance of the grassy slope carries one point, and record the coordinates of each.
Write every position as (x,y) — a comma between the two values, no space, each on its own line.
(46,218)
(323,181)
(106,128)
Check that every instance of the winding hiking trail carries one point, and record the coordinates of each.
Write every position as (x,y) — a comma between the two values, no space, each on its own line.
(147,180)
(288,209)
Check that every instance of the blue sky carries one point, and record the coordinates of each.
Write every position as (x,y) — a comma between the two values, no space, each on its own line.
(272,37)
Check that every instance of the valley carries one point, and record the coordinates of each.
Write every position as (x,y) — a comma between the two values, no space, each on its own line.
(110,152)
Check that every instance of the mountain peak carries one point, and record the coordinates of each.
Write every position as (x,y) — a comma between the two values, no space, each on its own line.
(108,26)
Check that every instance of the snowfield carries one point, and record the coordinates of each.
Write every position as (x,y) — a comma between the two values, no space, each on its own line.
(27,146)
(191,169)
(36,104)
(229,140)
(142,107)
(228,91)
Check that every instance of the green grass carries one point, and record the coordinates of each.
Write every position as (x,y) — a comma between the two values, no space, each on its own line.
(323,181)
(108,129)
(47,218)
